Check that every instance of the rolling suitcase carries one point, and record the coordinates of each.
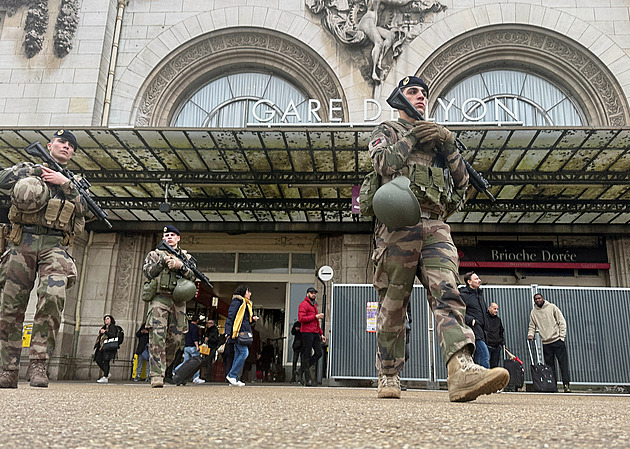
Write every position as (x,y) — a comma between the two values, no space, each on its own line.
(515,367)
(187,370)
(542,375)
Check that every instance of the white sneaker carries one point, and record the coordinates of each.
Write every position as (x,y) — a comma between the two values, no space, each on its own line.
(231,380)
(103,380)
(197,380)
(240,384)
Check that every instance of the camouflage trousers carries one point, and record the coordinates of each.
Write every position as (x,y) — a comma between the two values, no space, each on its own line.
(36,255)
(167,325)
(425,250)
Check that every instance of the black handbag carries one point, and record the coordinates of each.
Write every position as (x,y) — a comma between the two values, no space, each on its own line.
(245,338)
(111,344)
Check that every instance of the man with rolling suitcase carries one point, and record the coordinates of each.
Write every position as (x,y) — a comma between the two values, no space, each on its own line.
(550,323)
(192,358)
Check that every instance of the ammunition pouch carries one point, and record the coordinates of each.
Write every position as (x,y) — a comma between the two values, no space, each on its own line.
(434,185)
(167,281)
(149,289)
(58,215)
(370,185)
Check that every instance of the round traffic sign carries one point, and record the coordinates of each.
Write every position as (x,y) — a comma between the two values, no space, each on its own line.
(325,273)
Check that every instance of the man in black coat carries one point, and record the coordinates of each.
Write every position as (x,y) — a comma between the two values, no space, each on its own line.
(494,335)
(211,339)
(476,312)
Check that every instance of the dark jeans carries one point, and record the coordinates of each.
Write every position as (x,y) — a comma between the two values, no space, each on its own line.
(296,357)
(208,363)
(495,355)
(102,359)
(558,350)
(311,353)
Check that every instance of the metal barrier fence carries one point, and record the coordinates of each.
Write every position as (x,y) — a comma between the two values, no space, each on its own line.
(598,322)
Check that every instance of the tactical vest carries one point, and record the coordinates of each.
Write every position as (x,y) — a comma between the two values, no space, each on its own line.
(432,185)
(167,280)
(58,214)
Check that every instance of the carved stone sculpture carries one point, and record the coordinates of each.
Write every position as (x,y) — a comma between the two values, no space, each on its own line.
(378,28)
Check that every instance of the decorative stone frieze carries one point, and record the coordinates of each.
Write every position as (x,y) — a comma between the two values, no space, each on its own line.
(36,24)
(269,48)
(528,44)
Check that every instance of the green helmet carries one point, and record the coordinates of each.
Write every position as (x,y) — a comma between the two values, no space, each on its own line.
(395,205)
(185,290)
(30,194)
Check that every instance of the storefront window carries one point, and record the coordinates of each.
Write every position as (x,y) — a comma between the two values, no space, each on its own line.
(303,263)
(263,263)
(234,101)
(216,262)
(507,96)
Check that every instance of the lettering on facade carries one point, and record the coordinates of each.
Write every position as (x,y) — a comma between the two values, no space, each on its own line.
(474,110)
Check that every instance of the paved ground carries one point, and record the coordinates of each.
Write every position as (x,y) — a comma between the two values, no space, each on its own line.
(128,415)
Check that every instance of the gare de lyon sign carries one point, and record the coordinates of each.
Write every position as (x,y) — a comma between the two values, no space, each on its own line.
(474,110)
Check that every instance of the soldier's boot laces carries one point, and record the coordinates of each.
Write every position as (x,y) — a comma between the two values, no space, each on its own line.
(467,380)
(37,373)
(388,386)
(157,382)
(8,379)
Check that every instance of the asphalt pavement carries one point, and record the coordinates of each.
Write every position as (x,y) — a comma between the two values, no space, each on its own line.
(133,415)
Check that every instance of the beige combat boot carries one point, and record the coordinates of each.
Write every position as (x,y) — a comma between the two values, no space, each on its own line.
(157,382)
(8,379)
(467,380)
(36,373)
(388,386)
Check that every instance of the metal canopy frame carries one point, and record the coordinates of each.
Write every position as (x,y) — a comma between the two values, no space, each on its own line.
(297,176)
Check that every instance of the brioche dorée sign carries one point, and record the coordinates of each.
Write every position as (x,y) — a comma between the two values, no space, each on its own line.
(533,257)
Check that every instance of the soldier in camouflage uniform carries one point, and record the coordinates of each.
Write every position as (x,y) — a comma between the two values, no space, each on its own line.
(425,152)
(166,320)
(46,213)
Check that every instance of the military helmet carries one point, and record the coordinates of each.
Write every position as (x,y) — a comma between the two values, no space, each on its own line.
(395,205)
(185,290)
(30,194)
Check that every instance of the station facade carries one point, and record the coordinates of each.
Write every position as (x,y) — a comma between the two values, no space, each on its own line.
(246,126)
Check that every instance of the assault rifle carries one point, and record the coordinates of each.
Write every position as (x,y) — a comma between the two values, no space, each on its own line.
(397,100)
(82,185)
(163,246)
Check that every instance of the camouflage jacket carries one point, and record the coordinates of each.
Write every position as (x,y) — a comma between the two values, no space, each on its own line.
(155,265)
(9,176)
(394,154)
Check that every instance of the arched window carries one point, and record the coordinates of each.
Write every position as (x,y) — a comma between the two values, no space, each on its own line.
(508,96)
(231,101)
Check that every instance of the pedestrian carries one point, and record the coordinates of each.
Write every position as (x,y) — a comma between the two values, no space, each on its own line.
(166,318)
(107,343)
(191,347)
(297,350)
(476,312)
(495,338)
(238,321)
(312,335)
(140,363)
(46,213)
(267,356)
(547,319)
(211,339)
(430,170)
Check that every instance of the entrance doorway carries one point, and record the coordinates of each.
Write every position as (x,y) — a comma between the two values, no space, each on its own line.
(269,301)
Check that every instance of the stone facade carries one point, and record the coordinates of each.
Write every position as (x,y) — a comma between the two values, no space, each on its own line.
(128,76)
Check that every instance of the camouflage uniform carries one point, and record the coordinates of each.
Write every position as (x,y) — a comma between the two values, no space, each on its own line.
(166,320)
(36,247)
(425,250)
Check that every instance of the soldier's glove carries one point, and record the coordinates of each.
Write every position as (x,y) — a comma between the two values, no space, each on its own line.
(174,264)
(432,133)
